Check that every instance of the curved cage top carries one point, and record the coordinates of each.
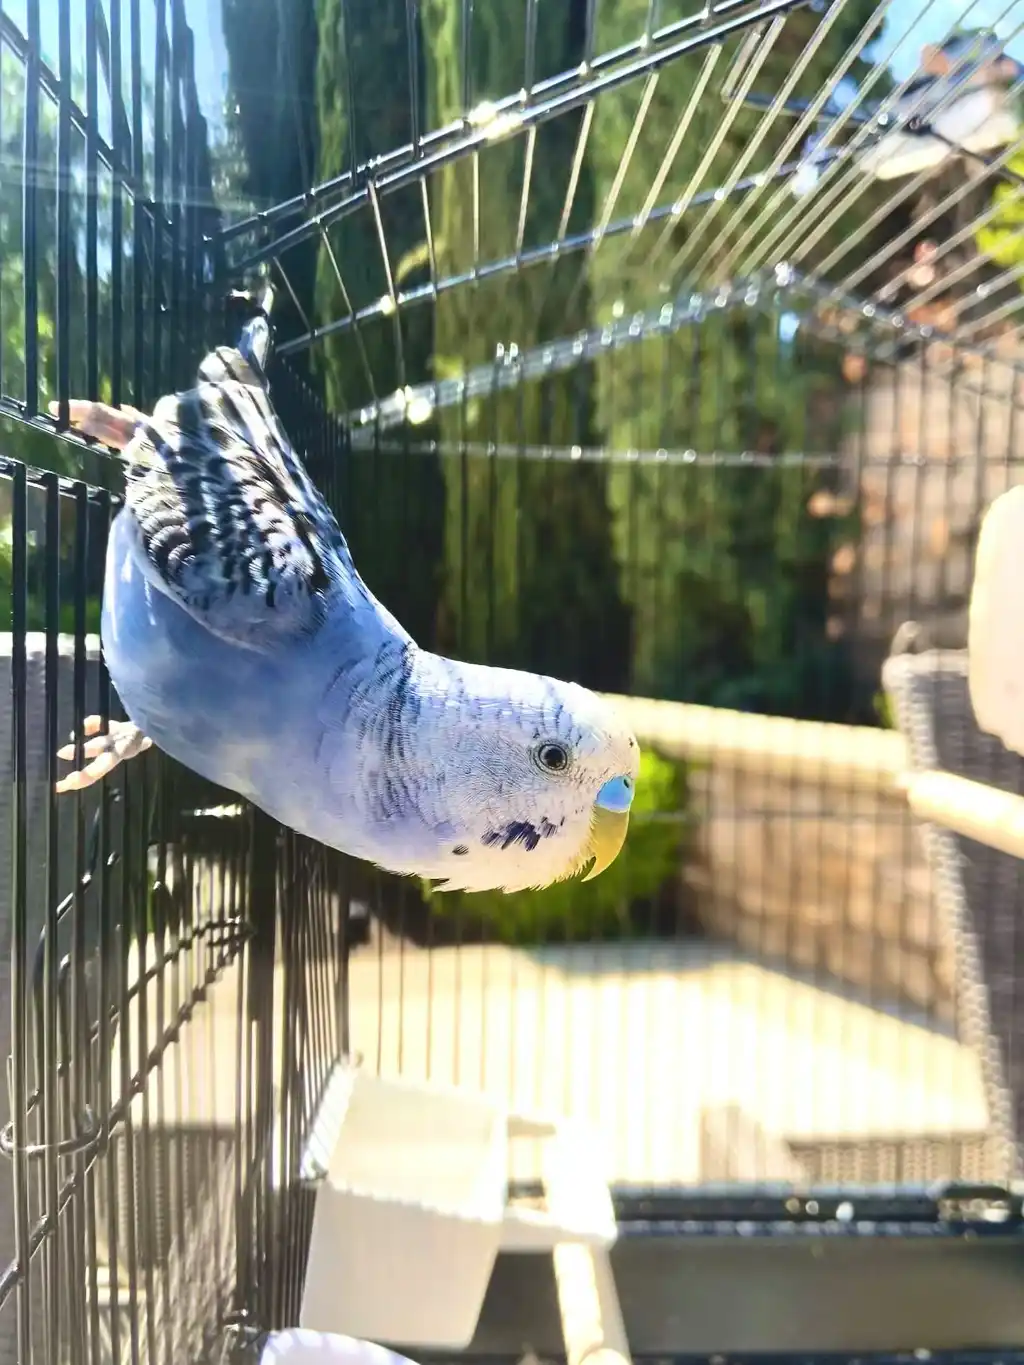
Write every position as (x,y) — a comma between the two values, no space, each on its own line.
(513,181)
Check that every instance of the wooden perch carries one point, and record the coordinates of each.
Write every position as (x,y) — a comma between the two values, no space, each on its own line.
(588,1300)
(991,816)
(848,755)
(589,1307)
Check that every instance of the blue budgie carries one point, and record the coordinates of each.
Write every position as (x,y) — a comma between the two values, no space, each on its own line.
(243,642)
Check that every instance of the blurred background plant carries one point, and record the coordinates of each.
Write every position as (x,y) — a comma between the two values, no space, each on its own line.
(1001,237)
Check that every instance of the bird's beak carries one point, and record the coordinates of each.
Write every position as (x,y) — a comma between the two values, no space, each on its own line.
(607,835)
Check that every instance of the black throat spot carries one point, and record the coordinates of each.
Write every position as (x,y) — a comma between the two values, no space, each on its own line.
(520,832)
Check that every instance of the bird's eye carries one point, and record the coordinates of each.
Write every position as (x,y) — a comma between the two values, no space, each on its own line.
(553,758)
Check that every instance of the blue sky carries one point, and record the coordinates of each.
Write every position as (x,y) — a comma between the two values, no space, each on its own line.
(212,57)
(204,18)
(929,23)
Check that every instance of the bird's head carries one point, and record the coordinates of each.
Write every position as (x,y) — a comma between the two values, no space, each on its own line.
(536,785)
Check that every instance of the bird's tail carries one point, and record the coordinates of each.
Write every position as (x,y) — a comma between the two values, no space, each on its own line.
(257,338)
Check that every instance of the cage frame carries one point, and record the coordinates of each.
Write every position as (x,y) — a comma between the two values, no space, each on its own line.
(751,1227)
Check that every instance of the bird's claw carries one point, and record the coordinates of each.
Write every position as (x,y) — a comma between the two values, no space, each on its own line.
(104,750)
(115,427)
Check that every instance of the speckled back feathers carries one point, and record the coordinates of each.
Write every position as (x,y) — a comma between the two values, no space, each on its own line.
(229,521)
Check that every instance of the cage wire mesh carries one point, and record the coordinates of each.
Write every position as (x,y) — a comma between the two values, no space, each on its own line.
(684,346)
(154,1112)
(673,349)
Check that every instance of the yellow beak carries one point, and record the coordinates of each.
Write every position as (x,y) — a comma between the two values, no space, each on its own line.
(607,835)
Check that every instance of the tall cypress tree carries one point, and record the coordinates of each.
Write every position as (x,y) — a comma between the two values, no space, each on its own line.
(726,570)
(530,579)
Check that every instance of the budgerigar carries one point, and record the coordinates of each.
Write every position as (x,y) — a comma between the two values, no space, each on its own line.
(243,642)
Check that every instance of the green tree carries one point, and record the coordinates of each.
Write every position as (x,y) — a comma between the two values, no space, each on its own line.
(388,498)
(271,118)
(530,579)
(22,442)
(33,445)
(726,571)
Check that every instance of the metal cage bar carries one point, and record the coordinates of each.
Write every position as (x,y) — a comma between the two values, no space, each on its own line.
(168,951)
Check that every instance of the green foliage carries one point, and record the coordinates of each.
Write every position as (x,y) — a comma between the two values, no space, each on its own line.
(363,108)
(529,571)
(1001,237)
(726,568)
(271,124)
(883,711)
(21,443)
(716,140)
(386,500)
(659,832)
(36,613)
(32,445)
(12,267)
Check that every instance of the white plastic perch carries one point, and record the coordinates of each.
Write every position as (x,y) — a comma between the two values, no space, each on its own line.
(412,1209)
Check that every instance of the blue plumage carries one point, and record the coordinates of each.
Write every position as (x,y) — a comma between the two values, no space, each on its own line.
(243,642)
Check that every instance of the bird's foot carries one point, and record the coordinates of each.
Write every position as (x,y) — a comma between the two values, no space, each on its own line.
(115,427)
(122,740)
